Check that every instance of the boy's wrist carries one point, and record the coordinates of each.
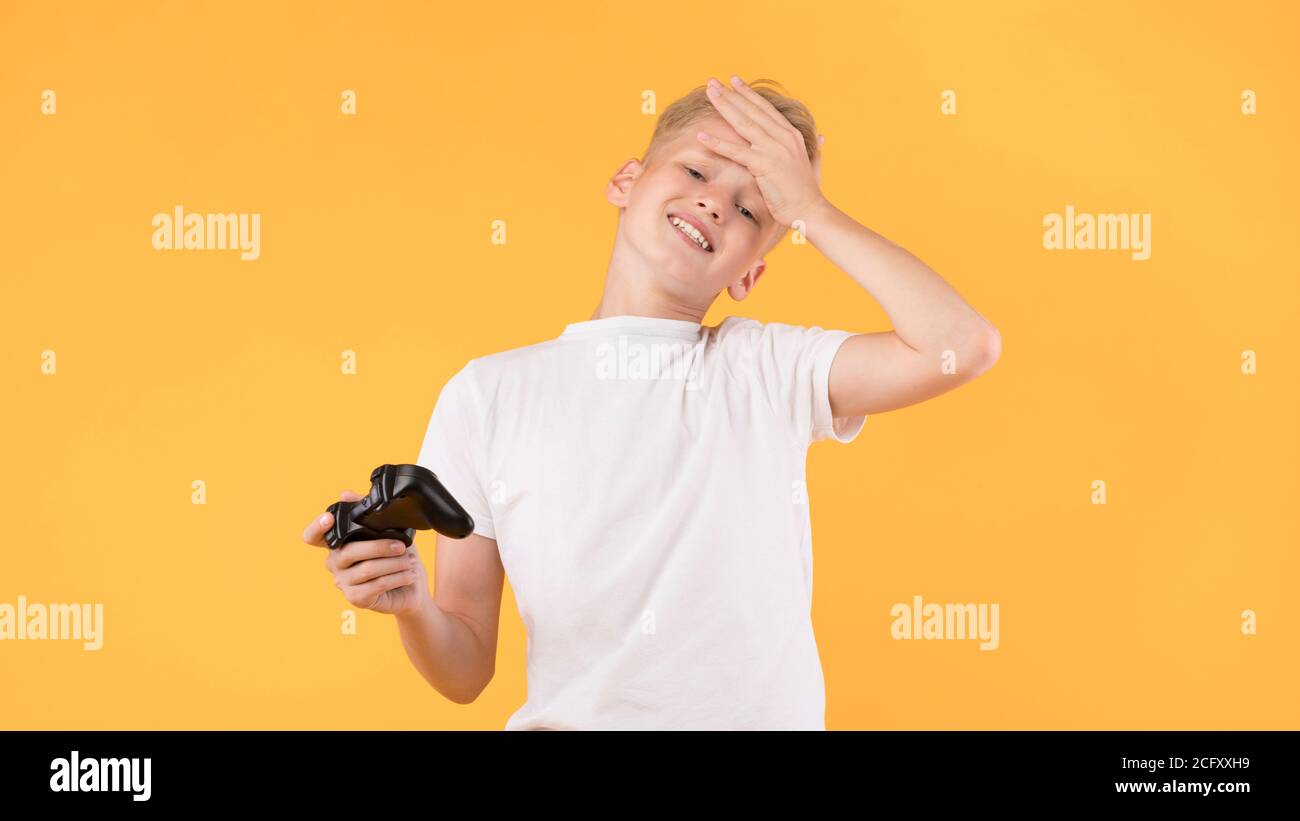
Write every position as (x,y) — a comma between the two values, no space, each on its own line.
(817,216)
(420,614)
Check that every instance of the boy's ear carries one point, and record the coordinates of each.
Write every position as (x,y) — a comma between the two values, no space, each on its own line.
(620,185)
(741,287)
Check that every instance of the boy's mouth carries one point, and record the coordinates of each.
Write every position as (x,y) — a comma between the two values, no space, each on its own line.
(691,232)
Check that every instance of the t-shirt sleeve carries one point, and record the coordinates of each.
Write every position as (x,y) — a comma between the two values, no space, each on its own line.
(453,445)
(794,367)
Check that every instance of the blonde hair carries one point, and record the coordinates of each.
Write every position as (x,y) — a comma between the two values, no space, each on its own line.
(696,106)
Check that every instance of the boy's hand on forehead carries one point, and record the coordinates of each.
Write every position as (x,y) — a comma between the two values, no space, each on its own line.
(776,155)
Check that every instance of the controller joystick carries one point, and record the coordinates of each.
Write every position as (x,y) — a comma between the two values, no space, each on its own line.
(402,500)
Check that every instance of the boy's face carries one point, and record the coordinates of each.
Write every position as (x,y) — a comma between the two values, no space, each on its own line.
(687,180)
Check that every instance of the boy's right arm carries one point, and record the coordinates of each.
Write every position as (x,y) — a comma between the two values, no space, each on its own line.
(451,638)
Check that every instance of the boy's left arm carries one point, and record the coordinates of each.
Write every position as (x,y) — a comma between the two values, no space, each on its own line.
(939,341)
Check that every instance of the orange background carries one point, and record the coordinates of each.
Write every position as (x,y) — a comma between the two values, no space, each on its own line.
(183,365)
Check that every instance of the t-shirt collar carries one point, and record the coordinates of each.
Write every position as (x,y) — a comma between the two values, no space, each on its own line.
(639,325)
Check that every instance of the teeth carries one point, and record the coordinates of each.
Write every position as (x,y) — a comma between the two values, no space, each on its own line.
(690,231)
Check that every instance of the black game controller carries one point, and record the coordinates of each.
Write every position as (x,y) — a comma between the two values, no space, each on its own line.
(402,500)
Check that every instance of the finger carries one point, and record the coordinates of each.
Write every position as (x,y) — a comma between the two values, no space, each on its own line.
(359,551)
(364,595)
(743,115)
(761,109)
(730,150)
(362,572)
(314,533)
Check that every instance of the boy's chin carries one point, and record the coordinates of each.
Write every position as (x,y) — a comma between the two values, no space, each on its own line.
(683,262)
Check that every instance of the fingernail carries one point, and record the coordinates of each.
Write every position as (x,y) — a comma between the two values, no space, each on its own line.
(325,519)
(735,78)
(398,547)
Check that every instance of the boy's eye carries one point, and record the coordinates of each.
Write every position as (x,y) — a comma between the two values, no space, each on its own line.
(744,210)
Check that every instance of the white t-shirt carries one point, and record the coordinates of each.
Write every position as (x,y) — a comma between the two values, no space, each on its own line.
(643,478)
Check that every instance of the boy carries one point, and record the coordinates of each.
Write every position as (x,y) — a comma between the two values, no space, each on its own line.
(639,477)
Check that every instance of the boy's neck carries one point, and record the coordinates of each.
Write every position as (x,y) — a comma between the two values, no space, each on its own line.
(623,304)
